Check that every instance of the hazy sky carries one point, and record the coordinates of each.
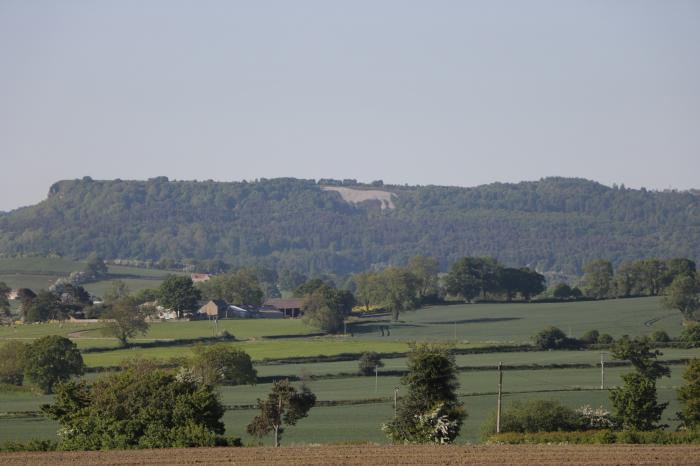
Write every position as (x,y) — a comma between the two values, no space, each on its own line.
(419,92)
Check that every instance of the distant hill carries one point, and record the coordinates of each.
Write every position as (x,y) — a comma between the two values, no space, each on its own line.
(555,224)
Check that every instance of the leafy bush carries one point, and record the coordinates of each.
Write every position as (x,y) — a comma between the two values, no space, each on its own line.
(137,408)
(590,337)
(11,362)
(606,339)
(535,416)
(691,333)
(31,445)
(554,338)
(658,437)
(660,336)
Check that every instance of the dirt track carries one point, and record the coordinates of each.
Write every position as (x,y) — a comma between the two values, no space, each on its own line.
(377,455)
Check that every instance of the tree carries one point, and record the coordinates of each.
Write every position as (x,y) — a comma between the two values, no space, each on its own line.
(289,280)
(45,306)
(283,406)
(553,338)
(134,408)
(95,266)
(399,292)
(368,289)
(117,290)
(590,337)
(635,403)
(239,288)
(369,362)
(689,395)
(11,362)
(178,294)
(326,308)
(430,412)
(425,270)
(682,294)
(145,295)
(471,276)
(124,319)
(598,279)
(223,364)
(4,301)
(50,360)
(660,336)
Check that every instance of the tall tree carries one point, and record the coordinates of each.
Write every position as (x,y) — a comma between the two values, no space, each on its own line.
(326,308)
(239,288)
(50,360)
(635,403)
(4,301)
(689,395)
(124,319)
(431,411)
(425,269)
(223,364)
(44,306)
(683,294)
(178,294)
(283,406)
(399,291)
(598,279)
(95,266)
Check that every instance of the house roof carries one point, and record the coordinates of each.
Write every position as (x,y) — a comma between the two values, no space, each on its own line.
(282,303)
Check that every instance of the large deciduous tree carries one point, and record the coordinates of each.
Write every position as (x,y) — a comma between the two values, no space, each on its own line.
(178,294)
(430,412)
(95,266)
(683,294)
(285,405)
(151,408)
(598,279)
(239,288)
(326,308)
(635,403)
(50,360)
(4,301)
(124,319)
(223,364)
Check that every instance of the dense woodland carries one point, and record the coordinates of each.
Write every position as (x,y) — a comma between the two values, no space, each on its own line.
(555,224)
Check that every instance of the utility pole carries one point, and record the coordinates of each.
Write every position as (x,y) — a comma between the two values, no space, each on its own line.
(396,392)
(455,329)
(345,328)
(498,403)
(376,379)
(602,370)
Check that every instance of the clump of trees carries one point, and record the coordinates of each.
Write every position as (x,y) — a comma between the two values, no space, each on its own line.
(140,407)
(689,396)
(325,307)
(430,412)
(285,405)
(239,288)
(554,338)
(179,294)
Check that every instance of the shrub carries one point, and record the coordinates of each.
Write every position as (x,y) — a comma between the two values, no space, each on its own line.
(691,333)
(590,337)
(658,437)
(606,339)
(534,416)
(660,336)
(554,338)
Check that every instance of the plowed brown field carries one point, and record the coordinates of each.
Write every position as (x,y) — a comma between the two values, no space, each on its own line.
(376,455)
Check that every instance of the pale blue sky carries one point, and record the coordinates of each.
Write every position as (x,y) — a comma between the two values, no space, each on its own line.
(419,92)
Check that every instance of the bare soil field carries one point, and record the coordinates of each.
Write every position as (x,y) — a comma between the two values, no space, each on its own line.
(376,455)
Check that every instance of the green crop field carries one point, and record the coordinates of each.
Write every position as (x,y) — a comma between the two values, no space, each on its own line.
(517,322)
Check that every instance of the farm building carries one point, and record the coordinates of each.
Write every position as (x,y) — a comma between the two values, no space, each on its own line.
(200,277)
(291,307)
(213,309)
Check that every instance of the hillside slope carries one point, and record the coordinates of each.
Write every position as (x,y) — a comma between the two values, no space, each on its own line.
(551,224)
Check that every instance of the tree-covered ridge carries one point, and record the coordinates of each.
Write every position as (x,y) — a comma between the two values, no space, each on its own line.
(290,224)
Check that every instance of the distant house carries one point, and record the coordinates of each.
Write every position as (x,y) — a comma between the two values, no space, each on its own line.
(215,308)
(291,307)
(200,277)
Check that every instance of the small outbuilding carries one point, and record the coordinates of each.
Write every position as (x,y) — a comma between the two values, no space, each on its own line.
(290,307)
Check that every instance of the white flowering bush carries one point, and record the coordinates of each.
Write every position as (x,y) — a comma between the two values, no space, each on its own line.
(595,418)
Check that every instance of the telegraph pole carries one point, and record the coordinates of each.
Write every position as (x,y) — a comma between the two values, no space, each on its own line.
(498,403)
(376,379)
(455,329)
(396,392)
(602,370)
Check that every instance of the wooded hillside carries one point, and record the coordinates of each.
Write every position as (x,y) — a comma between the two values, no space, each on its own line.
(555,224)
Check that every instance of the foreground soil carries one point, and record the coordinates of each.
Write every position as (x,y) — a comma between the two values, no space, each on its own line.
(376,455)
